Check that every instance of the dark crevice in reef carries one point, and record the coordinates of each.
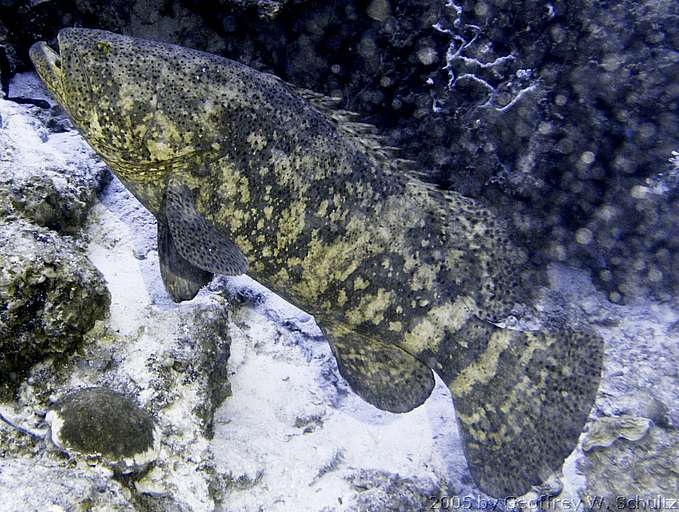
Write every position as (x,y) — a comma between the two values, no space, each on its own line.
(5,71)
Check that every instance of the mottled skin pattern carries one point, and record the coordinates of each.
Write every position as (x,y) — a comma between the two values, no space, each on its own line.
(402,278)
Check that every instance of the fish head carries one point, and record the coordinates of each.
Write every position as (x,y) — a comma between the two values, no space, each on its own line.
(70,73)
(109,85)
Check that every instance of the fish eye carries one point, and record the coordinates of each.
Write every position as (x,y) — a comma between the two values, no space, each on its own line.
(104,47)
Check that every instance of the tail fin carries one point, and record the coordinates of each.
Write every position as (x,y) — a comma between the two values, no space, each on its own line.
(522,399)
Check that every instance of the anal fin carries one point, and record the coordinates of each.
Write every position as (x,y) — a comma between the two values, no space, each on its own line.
(182,279)
(382,374)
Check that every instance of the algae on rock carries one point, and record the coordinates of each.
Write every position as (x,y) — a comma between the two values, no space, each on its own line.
(105,426)
(632,466)
(50,295)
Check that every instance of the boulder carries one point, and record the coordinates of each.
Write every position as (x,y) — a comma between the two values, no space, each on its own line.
(101,425)
(50,296)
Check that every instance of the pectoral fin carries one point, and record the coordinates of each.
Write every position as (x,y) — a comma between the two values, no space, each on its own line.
(196,239)
(382,374)
(522,401)
(182,279)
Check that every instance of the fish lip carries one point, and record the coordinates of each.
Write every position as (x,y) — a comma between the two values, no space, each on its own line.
(47,63)
(44,57)
(41,50)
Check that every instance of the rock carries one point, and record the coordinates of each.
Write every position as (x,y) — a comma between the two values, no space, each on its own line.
(174,21)
(48,485)
(379,10)
(50,176)
(266,9)
(107,427)
(38,199)
(633,471)
(605,431)
(641,404)
(174,361)
(379,490)
(27,85)
(7,61)
(50,295)
(172,358)
(525,82)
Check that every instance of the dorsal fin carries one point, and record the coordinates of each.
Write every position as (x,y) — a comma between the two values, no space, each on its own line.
(365,135)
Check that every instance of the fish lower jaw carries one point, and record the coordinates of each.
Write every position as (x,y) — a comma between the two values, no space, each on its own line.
(47,63)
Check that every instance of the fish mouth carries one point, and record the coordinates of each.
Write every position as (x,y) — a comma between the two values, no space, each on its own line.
(47,63)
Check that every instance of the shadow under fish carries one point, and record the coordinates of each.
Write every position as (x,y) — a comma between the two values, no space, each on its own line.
(245,172)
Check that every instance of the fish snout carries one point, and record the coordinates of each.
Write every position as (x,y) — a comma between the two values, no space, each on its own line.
(47,63)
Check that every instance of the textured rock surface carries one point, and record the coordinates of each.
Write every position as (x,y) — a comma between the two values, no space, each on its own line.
(633,473)
(50,295)
(105,426)
(607,430)
(575,109)
(377,491)
(47,174)
(171,358)
(61,488)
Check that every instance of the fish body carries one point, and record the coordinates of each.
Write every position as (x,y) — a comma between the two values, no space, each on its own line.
(246,172)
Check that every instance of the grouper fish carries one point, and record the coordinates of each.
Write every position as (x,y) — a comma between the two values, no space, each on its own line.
(247,173)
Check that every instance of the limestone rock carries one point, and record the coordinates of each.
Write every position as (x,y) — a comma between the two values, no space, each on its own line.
(605,431)
(635,469)
(48,485)
(50,295)
(49,175)
(172,358)
(379,490)
(642,403)
(562,109)
(99,424)
(38,199)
